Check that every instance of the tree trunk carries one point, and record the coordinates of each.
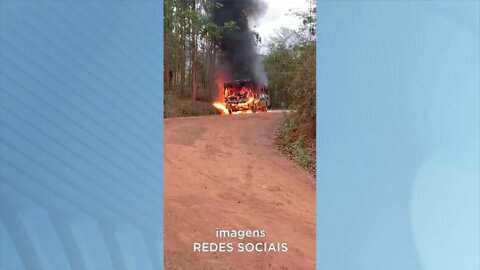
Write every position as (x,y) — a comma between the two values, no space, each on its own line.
(193,54)
(167,47)
(177,50)
(183,60)
(213,83)
(207,68)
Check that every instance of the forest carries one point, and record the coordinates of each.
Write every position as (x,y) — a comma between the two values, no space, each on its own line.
(192,61)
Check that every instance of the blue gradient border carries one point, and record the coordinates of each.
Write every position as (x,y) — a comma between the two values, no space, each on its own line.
(398,135)
(81,135)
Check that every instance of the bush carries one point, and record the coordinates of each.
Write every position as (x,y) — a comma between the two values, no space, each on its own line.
(186,107)
(293,143)
(292,80)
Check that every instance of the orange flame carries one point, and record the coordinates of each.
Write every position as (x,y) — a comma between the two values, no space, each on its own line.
(220,105)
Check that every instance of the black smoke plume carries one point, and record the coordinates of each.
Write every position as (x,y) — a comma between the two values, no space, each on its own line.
(239,58)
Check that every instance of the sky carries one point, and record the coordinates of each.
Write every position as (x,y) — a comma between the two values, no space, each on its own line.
(276,16)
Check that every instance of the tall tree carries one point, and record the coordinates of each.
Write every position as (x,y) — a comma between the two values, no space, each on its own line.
(190,48)
(193,55)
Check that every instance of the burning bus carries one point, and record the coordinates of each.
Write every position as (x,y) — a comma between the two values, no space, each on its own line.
(241,78)
(245,96)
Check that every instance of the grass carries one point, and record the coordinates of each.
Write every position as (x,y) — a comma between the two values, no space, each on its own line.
(187,107)
(295,143)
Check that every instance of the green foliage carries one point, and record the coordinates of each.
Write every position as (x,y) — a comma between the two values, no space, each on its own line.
(294,144)
(302,153)
(214,32)
(280,66)
(291,73)
(292,82)
(290,66)
(303,91)
(191,47)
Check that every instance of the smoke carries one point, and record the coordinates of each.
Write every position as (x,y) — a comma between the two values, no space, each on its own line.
(239,57)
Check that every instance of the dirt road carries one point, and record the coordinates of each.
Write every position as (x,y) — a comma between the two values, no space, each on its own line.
(225,172)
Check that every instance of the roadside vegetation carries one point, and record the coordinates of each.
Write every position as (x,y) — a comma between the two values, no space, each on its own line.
(290,65)
(184,107)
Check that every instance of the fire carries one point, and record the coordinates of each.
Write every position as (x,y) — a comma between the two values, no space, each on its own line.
(221,107)
(219,104)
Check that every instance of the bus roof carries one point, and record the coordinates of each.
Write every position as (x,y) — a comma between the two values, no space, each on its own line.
(237,82)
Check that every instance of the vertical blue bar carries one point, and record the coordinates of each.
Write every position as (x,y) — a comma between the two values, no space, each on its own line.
(398,135)
(81,135)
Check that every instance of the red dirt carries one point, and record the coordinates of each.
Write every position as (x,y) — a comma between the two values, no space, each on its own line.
(225,172)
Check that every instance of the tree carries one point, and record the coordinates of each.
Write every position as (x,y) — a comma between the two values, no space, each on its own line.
(188,28)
